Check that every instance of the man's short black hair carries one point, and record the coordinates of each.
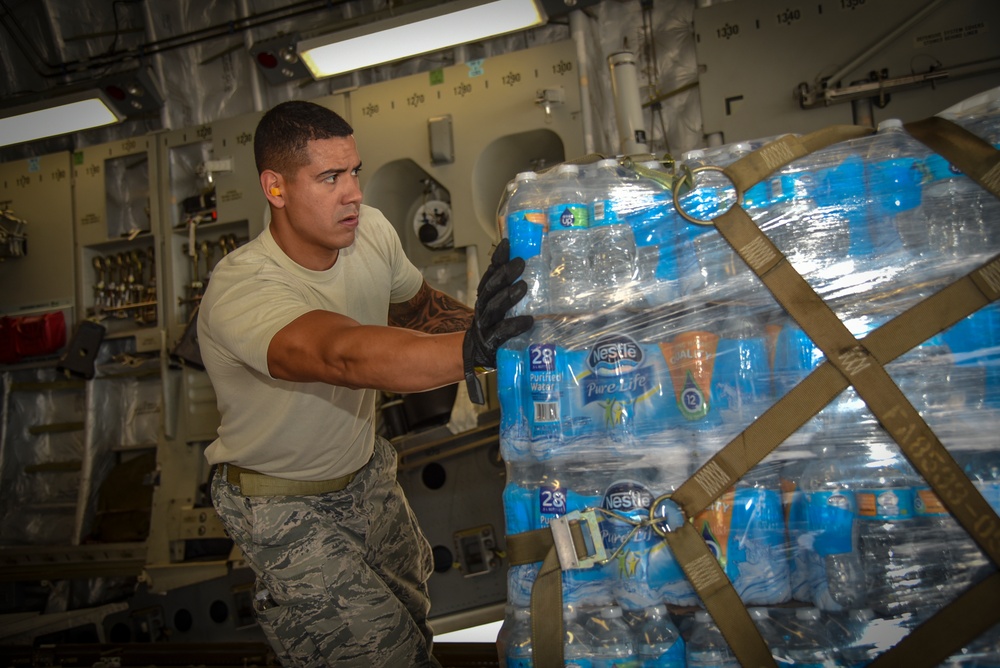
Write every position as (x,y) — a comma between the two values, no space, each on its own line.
(279,142)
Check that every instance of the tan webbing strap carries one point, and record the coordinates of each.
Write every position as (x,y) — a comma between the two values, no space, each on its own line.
(901,334)
(546,594)
(706,576)
(883,397)
(530,547)
(955,626)
(546,614)
(854,363)
(720,598)
(763,162)
(971,154)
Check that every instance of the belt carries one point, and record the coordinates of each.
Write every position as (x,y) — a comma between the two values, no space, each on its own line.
(252,483)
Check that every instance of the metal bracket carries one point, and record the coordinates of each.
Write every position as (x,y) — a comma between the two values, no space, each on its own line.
(562,537)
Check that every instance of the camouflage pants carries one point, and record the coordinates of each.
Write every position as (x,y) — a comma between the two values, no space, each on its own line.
(341,577)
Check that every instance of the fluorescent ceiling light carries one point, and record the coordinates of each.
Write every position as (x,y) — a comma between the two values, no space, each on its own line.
(54,117)
(414,33)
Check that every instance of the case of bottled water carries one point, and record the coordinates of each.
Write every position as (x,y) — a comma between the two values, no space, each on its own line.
(654,346)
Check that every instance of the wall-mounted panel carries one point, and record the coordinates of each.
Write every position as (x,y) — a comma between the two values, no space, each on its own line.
(116,219)
(754,55)
(37,274)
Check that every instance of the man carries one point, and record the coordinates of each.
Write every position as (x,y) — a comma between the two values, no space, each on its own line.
(293,332)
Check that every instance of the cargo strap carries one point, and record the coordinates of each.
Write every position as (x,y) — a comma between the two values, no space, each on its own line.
(849,362)
(969,153)
(954,626)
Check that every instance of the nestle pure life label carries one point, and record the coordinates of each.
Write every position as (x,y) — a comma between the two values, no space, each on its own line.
(614,388)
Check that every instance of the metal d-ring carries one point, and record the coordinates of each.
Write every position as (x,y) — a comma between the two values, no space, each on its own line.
(697,170)
(661,525)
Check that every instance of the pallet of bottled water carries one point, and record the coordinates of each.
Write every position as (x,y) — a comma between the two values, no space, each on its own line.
(654,345)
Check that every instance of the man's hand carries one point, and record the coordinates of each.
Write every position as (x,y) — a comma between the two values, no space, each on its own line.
(497,292)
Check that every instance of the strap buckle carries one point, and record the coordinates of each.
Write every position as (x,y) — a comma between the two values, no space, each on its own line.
(562,538)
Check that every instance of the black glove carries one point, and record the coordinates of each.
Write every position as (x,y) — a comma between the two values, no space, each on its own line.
(496,294)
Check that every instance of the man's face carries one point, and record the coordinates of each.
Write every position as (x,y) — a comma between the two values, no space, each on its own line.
(323,200)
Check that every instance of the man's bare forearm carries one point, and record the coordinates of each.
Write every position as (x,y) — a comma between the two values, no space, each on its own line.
(432,312)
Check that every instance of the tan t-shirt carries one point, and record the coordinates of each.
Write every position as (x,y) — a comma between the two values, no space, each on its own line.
(301,431)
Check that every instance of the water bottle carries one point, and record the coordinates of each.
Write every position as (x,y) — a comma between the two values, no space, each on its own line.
(742,374)
(664,574)
(836,576)
(809,236)
(795,505)
(526,219)
(630,570)
(571,287)
(526,216)
(542,391)
(519,650)
(656,228)
(613,644)
(503,634)
(706,647)
(612,245)
(532,497)
(957,211)
(945,550)
(711,270)
(806,643)
(757,561)
(766,626)
(894,176)
(515,441)
(894,576)
(660,643)
(578,642)
(983,469)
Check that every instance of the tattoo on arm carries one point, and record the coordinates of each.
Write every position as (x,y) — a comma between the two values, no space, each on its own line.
(432,312)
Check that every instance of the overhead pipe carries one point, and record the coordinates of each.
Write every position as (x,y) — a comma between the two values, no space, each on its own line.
(632,133)
(255,87)
(157,65)
(578,31)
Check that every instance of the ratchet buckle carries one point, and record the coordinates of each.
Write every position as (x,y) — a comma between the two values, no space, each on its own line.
(578,528)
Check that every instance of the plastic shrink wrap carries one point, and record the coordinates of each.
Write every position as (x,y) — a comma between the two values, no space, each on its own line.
(654,345)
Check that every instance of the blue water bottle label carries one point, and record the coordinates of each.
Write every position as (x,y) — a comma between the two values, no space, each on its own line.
(551,503)
(525,229)
(568,216)
(830,517)
(519,662)
(543,380)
